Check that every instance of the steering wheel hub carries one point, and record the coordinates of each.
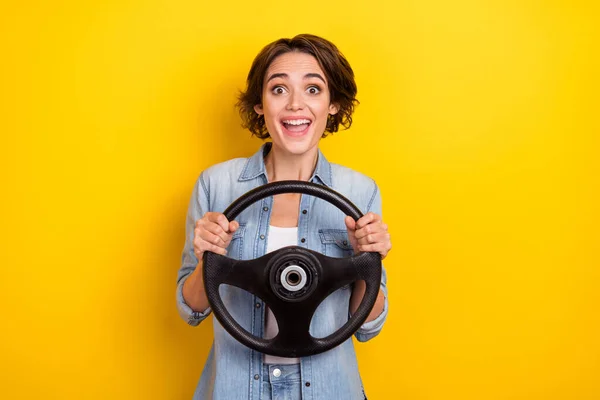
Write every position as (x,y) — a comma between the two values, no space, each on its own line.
(293,278)
(293,274)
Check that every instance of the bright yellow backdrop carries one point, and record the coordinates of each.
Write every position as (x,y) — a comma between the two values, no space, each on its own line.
(478,120)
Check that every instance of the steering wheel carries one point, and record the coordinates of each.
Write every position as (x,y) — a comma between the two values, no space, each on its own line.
(292,281)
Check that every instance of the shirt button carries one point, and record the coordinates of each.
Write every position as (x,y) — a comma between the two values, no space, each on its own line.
(304,211)
(265,208)
(257,305)
(303,240)
(256,377)
(307,384)
(276,372)
(262,237)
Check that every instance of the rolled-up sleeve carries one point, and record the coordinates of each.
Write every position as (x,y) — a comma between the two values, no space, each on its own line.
(372,328)
(197,207)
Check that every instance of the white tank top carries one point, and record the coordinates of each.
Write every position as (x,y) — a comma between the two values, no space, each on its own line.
(277,238)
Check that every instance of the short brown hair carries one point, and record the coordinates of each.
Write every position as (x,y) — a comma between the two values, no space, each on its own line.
(339,74)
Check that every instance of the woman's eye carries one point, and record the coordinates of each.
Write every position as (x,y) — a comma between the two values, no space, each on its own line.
(278,90)
(314,90)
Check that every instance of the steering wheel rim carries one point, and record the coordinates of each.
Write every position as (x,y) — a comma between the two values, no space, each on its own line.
(293,339)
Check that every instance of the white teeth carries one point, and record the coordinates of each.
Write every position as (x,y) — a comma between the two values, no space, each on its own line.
(296,121)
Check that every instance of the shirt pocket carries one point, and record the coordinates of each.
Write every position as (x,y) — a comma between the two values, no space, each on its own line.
(236,246)
(335,243)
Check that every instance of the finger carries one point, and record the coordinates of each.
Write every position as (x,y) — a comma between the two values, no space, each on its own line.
(381,248)
(381,237)
(211,228)
(367,219)
(216,249)
(350,223)
(217,231)
(211,238)
(233,226)
(220,219)
(375,227)
(200,246)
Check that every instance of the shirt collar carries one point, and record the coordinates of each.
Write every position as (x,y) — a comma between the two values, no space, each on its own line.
(255,167)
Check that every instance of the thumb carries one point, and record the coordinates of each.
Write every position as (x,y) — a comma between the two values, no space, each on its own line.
(233,226)
(350,223)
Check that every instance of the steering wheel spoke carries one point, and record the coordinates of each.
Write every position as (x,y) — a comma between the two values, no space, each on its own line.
(249,275)
(338,272)
(293,321)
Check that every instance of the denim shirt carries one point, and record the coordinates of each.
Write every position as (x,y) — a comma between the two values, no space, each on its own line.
(232,370)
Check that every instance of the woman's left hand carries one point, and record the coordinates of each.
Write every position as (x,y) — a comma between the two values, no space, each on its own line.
(369,233)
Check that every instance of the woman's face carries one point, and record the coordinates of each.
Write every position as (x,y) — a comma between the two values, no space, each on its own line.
(295,102)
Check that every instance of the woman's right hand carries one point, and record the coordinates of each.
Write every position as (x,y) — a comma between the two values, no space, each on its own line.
(213,232)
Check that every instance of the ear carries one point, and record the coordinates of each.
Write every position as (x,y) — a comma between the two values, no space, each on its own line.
(259,110)
(333,109)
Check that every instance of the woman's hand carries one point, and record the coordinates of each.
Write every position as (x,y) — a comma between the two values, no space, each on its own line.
(369,233)
(213,232)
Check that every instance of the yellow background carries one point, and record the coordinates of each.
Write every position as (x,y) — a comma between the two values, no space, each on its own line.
(478,120)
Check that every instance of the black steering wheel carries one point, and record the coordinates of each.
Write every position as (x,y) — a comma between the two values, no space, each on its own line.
(292,281)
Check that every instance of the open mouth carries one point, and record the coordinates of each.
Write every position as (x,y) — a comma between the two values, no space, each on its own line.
(296,127)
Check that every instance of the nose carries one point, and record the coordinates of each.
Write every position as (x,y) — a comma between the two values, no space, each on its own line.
(295,101)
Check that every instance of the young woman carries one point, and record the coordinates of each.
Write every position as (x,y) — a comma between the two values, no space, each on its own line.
(298,91)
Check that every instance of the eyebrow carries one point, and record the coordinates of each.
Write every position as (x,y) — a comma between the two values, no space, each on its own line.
(283,75)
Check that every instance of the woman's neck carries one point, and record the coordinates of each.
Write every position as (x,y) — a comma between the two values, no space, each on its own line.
(284,166)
